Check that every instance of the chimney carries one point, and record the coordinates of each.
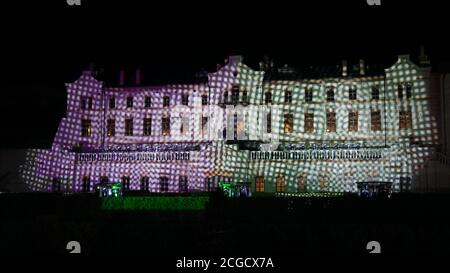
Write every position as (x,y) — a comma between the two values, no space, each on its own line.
(423,58)
(344,68)
(362,71)
(138,76)
(121,77)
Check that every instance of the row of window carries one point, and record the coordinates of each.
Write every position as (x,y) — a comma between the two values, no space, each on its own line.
(144,183)
(405,121)
(352,93)
(302,185)
(403,90)
(86,126)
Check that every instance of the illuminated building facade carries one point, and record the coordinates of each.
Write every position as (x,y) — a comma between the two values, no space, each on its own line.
(269,130)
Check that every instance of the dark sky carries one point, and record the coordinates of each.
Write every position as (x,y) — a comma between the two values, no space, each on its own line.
(47,43)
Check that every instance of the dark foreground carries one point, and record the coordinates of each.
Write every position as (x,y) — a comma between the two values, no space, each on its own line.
(46,222)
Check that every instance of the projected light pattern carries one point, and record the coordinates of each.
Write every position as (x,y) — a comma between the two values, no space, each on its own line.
(190,137)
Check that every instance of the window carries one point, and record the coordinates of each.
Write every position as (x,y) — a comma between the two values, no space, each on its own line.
(166,101)
(288,123)
(309,94)
(112,102)
(353,121)
(400,91)
(147,102)
(183,184)
(83,103)
(244,96)
(352,93)
(375,92)
(408,90)
(259,184)
(330,94)
(287,96)
(164,184)
(144,183)
(269,122)
(86,180)
(301,183)
(225,97)
(90,103)
(405,119)
(130,102)
(86,128)
(309,122)
(331,121)
(126,182)
(56,185)
(281,183)
(129,127)
(104,179)
(204,125)
(111,127)
(375,118)
(147,126)
(185,99)
(184,127)
(235,95)
(268,97)
(165,124)
(322,183)
(204,99)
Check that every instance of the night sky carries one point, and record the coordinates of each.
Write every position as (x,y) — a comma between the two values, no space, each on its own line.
(48,43)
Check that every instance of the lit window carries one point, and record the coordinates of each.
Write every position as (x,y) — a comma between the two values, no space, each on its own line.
(331,121)
(163,183)
(112,102)
(281,183)
(287,96)
(204,99)
(269,122)
(183,184)
(353,121)
(405,119)
(111,127)
(322,183)
(268,97)
(129,102)
(330,94)
(259,184)
(309,122)
(309,94)
(375,92)
(147,102)
(147,126)
(301,183)
(288,123)
(86,128)
(185,99)
(166,101)
(352,93)
(129,127)
(375,117)
(165,124)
